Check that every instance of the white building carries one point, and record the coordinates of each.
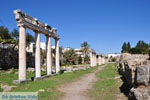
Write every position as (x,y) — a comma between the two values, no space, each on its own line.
(30,48)
(78,51)
(113,55)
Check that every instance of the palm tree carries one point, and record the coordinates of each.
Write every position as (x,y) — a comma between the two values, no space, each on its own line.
(85,48)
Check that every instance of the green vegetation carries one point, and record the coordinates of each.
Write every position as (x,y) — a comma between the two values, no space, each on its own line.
(48,87)
(126,47)
(107,87)
(12,74)
(1,89)
(9,54)
(7,37)
(85,49)
(140,48)
(70,57)
(113,59)
(79,60)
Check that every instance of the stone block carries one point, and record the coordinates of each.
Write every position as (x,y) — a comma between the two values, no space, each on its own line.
(143,75)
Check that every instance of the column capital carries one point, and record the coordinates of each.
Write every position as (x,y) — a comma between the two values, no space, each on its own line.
(57,38)
(36,31)
(48,36)
(21,25)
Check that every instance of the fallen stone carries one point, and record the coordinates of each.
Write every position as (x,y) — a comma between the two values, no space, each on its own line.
(40,90)
(30,69)
(7,88)
(141,93)
(143,75)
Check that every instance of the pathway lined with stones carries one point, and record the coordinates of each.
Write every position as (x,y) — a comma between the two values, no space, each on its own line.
(77,90)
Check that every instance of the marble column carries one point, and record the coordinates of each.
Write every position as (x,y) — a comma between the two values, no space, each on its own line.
(103,60)
(22,53)
(91,59)
(95,61)
(37,56)
(49,56)
(57,59)
(100,61)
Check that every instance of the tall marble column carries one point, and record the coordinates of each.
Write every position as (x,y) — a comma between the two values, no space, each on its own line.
(100,60)
(49,56)
(22,53)
(95,63)
(37,56)
(91,59)
(57,59)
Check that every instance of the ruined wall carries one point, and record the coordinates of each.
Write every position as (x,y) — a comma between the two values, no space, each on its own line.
(9,59)
(135,71)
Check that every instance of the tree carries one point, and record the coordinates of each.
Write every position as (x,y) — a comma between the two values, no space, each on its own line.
(29,38)
(79,59)
(149,53)
(128,47)
(15,34)
(86,59)
(1,39)
(4,33)
(141,48)
(70,56)
(124,47)
(85,48)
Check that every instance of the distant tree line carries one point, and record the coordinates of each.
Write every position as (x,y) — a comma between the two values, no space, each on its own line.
(140,48)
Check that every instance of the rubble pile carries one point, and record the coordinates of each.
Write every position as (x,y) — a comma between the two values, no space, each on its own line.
(135,71)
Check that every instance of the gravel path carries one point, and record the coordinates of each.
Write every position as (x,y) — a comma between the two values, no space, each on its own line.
(77,90)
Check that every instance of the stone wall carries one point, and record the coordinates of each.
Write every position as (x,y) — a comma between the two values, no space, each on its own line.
(135,71)
(9,58)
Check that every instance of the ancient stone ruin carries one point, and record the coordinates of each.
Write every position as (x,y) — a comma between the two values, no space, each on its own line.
(135,71)
(25,21)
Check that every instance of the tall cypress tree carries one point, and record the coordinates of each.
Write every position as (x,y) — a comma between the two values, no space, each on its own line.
(128,47)
(124,47)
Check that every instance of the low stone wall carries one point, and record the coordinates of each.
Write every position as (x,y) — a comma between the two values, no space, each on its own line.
(135,71)
(75,67)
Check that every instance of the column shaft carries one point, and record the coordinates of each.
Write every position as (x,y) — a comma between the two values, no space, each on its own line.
(91,59)
(57,59)
(49,56)
(22,53)
(37,56)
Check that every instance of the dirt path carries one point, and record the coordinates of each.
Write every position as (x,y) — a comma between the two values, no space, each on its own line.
(77,90)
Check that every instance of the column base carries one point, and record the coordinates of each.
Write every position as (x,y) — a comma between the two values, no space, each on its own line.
(21,81)
(33,78)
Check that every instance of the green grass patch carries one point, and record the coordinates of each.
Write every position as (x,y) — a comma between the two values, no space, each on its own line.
(1,89)
(109,71)
(8,77)
(49,85)
(107,86)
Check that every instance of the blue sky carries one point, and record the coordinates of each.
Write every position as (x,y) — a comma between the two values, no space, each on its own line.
(105,24)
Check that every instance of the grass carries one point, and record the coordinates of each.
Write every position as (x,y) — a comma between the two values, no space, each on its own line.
(47,86)
(107,87)
(8,77)
(1,89)
(110,71)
